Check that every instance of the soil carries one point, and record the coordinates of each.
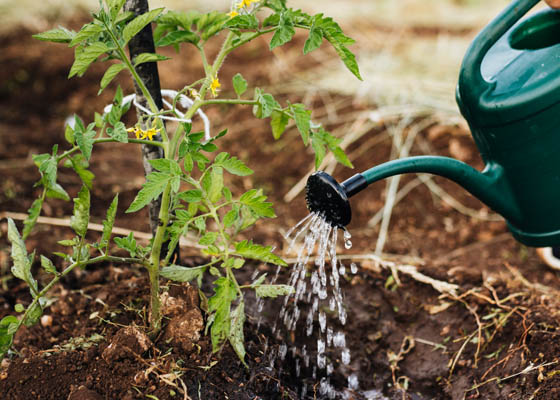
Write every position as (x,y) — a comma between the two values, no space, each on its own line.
(495,339)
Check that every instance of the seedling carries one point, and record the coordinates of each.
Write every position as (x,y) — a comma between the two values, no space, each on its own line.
(190,182)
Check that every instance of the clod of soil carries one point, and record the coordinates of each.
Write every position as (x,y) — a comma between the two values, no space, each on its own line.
(128,342)
(183,329)
(83,393)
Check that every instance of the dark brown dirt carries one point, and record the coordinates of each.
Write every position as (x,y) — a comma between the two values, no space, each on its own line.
(498,339)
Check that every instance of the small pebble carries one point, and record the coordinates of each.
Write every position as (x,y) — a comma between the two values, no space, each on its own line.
(46,321)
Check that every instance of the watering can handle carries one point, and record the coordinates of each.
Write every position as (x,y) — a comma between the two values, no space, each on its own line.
(471,82)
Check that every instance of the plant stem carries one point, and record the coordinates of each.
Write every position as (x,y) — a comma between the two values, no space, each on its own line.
(154,265)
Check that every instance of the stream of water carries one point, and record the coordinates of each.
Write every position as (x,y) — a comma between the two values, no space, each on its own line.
(316,308)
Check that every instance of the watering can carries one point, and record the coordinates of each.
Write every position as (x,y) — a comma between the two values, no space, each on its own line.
(509,93)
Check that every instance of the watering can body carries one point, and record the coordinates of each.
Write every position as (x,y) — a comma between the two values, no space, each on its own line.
(509,93)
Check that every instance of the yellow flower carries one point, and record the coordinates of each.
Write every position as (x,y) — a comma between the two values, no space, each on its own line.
(233,13)
(142,134)
(214,86)
(137,131)
(150,133)
(246,3)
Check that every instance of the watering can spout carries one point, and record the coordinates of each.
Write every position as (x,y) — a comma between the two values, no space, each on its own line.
(490,186)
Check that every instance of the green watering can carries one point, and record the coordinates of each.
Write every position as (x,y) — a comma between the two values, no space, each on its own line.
(509,92)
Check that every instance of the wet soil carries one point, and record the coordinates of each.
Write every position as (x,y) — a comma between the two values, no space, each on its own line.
(496,338)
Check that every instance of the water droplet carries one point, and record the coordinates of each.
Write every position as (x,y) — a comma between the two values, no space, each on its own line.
(282,351)
(316,278)
(322,321)
(345,356)
(353,382)
(339,339)
(353,268)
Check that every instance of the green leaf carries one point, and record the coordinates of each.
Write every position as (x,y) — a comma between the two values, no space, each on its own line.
(212,183)
(314,40)
(33,316)
(32,216)
(48,168)
(211,23)
(256,202)
(109,222)
(98,118)
(148,57)
(219,305)
(177,37)
(191,196)
(208,239)
(115,6)
(124,17)
(69,134)
(233,165)
(284,32)
(84,57)
(227,194)
(138,23)
(319,147)
(231,217)
(278,122)
(248,249)
(109,75)
(243,21)
(347,57)
(22,262)
(48,265)
(84,138)
(209,147)
(276,5)
(273,290)
(236,336)
(69,242)
(85,175)
(87,31)
(127,243)
(183,274)
(79,221)
(57,192)
(188,163)
(303,121)
(59,35)
(119,132)
(19,308)
(200,224)
(8,328)
(341,157)
(266,104)
(168,166)
(154,186)
(239,84)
